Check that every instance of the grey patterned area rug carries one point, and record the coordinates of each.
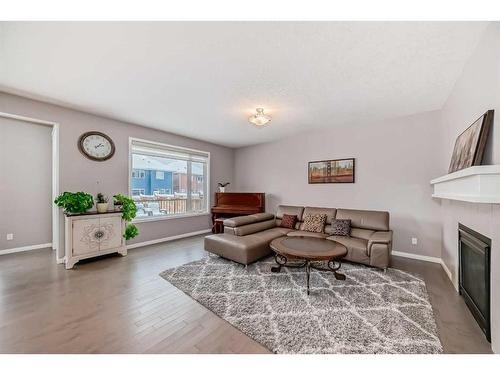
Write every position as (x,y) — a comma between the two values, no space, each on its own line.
(369,312)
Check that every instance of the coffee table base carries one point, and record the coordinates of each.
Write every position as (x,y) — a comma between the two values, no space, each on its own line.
(333,266)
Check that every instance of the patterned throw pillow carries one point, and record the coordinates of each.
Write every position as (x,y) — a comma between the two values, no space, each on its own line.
(288,221)
(341,227)
(314,223)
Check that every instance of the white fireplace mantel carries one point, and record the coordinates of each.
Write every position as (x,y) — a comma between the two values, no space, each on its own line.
(479,184)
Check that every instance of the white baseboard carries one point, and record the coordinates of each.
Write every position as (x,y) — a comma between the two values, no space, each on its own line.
(25,248)
(445,268)
(166,239)
(417,257)
(448,273)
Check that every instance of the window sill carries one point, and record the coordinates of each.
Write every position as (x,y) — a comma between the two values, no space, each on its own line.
(168,217)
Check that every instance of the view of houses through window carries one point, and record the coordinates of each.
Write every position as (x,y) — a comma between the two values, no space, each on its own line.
(166,180)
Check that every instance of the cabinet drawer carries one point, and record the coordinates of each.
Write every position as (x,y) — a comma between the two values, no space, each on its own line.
(111,228)
(85,238)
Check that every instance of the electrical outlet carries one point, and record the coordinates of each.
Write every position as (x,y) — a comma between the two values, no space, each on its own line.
(10,236)
(414,240)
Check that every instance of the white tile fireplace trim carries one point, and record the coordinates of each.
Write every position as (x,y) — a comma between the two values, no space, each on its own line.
(479,184)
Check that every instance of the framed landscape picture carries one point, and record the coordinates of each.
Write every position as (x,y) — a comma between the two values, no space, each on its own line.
(470,145)
(331,171)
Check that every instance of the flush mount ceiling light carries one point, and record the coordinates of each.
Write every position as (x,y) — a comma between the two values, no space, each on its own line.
(259,119)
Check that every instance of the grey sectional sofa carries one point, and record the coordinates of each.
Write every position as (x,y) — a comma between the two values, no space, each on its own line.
(246,238)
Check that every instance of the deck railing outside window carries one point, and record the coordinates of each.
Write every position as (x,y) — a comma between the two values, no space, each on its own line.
(148,206)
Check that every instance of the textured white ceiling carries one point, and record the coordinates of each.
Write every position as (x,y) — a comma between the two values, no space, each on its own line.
(203,79)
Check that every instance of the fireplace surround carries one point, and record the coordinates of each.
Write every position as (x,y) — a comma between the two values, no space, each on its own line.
(474,275)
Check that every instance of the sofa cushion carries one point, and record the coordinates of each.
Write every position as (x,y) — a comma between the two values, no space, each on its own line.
(289,210)
(288,221)
(314,223)
(351,243)
(356,248)
(374,220)
(329,212)
(341,227)
(362,233)
(283,231)
(302,233)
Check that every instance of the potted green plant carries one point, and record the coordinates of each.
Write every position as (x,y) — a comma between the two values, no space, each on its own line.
(75,203)
(102,203)
(129,211)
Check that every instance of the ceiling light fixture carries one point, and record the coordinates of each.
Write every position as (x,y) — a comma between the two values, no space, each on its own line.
(259,119)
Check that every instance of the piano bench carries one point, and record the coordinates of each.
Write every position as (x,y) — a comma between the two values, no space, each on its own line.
(218,226)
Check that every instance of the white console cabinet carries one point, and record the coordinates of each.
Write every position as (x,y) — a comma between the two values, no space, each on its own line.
(91,234)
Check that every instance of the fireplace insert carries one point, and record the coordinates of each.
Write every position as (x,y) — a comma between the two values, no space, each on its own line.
(474,274)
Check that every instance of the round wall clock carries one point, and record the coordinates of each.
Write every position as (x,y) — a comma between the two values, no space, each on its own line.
(96,146)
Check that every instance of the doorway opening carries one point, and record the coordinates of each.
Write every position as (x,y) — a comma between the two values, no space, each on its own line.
(55,180)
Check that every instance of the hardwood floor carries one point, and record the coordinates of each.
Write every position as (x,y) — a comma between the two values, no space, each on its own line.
(121,305)
(458,331)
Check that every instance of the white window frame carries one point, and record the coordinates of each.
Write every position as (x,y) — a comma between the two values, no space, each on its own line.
(180,149)
(162,173)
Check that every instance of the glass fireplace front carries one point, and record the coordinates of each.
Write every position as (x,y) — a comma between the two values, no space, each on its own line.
(474,274)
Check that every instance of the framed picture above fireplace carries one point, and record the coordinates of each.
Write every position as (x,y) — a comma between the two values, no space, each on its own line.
(470,145)
(331,171)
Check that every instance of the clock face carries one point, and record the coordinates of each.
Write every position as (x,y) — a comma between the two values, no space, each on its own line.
(96,146)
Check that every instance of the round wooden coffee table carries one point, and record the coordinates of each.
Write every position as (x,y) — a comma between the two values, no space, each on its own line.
(308,250)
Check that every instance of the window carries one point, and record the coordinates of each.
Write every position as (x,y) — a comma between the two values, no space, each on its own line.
(136,192)
(138,173)
(180,186)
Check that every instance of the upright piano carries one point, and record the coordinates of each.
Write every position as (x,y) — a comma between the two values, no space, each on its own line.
(236,204)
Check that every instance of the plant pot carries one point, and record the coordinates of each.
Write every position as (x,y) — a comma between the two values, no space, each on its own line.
(222,189)
(102,207)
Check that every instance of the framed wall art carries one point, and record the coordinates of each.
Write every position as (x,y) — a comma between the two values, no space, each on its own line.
(470,145)
(331,171)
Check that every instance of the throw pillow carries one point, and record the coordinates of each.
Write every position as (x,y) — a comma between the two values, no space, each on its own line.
(314,223)
(288,221)
(341,227)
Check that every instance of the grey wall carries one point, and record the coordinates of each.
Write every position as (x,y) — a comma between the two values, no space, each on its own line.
(25,183)
(395,160)
(477,90)
(78,173)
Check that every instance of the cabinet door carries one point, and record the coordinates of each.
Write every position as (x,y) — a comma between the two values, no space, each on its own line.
(111,229)
(85,236)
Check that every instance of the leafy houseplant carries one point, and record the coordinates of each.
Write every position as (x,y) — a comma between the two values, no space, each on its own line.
(102,203)
(75,203)
(130,231)
(222,186)
(128,214)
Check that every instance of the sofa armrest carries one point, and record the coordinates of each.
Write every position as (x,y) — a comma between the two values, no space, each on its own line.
(249,219)
(380,238)
(252,228)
